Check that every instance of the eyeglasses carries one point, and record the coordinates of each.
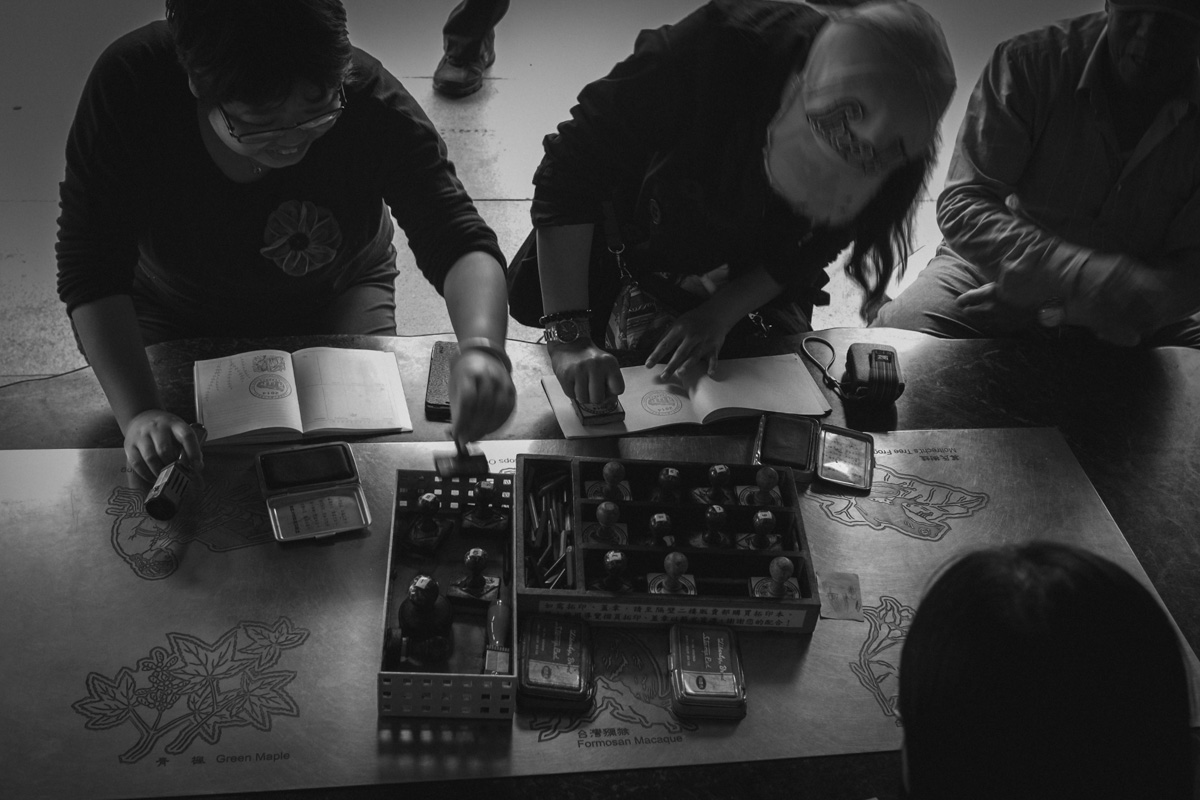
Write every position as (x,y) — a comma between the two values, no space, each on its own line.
(258,137)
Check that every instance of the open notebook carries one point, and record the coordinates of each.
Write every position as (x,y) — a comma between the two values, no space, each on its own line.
(273,395)
(741,387)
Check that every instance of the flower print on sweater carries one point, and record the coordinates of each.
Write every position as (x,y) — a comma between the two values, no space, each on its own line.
(301,237)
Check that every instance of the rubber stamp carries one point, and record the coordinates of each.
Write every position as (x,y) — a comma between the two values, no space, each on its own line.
(599,413)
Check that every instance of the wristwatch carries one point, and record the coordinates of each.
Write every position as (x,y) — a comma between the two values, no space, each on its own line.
(566,331)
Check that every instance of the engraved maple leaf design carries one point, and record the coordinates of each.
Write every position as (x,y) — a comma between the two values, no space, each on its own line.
(266,644)
(204,663)
(264,695)
(109,701)
(222,684)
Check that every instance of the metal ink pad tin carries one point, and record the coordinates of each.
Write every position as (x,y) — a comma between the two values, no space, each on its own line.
(312,491)
(706,672)
(555,669)
(846,457)
(812,449)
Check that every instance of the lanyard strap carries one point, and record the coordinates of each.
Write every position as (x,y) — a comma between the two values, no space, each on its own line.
(826,378)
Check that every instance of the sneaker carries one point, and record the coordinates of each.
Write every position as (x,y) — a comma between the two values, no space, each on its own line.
(457,78)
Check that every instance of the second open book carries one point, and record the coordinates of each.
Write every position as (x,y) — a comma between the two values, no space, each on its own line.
(741,387)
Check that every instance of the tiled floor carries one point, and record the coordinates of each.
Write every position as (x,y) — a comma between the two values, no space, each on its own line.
(547,50)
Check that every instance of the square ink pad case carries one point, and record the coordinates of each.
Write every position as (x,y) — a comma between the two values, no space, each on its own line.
(706,672)
(312,491)
(555,668)
(846,457)
(813,449)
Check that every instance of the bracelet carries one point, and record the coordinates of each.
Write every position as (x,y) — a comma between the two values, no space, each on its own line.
(558,316)
(485,345)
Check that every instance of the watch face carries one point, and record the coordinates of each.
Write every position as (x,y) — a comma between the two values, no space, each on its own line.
(564,331)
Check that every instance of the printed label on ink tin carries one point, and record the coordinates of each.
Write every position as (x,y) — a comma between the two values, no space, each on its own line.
(555,655)
(318,513)
(705,661)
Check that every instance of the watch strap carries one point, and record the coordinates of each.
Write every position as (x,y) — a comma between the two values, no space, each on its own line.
(568,330)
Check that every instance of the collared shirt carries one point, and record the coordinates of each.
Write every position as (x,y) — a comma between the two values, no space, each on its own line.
(1038,163)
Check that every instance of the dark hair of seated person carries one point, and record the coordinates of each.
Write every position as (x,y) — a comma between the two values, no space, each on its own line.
(256,51)
(883,230)
(1043,671)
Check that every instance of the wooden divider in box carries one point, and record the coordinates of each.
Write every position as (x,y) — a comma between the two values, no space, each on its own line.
(420,679)
(578,557)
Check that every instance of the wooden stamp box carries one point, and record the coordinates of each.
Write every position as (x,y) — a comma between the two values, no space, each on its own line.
(474,680)
(575,557)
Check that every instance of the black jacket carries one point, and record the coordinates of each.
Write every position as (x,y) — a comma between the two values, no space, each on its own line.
(674,135)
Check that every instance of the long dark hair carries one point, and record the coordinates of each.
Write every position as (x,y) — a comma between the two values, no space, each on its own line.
(883,232)
(1043,671)
(256,51)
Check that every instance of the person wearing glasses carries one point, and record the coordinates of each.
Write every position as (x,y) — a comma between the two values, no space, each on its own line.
(234,170)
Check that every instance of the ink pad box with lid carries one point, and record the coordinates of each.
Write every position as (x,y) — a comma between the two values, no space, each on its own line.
(312,491)
(706,672)
(555,664)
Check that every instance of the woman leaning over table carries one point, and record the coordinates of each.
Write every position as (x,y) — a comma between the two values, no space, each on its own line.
(740,151)
(230,172)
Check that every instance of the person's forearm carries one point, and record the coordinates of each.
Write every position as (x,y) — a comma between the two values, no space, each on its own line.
(983,230)
(1030,264)
(1146,295)
(108,329)
(477,298)
(564,256)
(744,294)
(995,147)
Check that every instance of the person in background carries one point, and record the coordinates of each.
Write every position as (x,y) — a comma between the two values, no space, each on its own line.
(731,158)
(469,43)
(1043,672)
(234,171)
(1072,204)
